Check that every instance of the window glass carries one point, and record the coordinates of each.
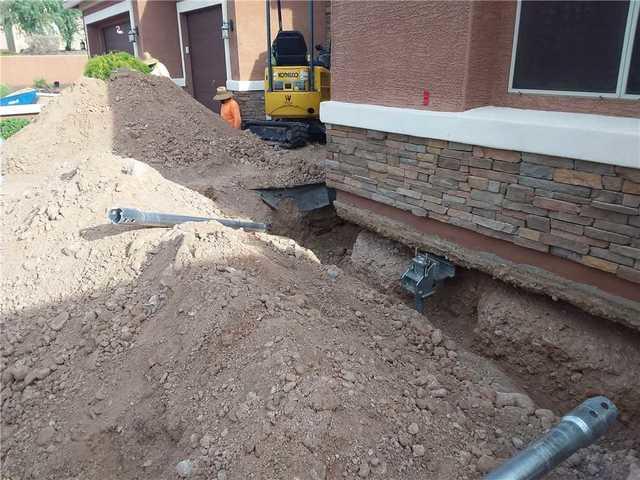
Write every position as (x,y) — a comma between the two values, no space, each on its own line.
(570,45)
(633,85)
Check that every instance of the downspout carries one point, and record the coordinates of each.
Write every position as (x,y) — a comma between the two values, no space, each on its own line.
(312,27)
(269,62)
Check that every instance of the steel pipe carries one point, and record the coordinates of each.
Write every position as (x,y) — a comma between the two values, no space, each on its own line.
(133,216)
(578,429)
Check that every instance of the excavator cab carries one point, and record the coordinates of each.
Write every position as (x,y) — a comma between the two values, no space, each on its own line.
(289,49)
(295,83)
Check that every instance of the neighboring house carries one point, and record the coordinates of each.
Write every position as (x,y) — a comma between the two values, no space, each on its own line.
(204,44)
(505,135)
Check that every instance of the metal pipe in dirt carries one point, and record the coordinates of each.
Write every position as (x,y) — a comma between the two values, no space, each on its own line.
(133,216)
(577,429)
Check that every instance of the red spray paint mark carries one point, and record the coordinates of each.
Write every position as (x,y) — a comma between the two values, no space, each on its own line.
(425,97)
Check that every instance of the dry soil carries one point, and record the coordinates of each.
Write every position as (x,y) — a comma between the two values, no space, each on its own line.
(203,352)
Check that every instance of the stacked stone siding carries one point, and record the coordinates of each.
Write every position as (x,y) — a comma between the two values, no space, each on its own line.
(582,211)
(251,104)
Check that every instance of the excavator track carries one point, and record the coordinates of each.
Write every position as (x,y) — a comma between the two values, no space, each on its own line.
(285,134)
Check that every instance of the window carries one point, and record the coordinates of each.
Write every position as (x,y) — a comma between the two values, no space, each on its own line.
(589,48)
(633,82)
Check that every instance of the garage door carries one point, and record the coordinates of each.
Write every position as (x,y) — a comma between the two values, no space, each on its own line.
(116,38)
(206,49)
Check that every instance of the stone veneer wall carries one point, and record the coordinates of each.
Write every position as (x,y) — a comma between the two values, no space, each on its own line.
(251,104)
(582,211)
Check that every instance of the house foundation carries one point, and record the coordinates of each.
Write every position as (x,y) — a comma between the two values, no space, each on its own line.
(568,228)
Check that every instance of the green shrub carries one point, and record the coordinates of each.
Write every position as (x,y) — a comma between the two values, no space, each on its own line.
(40,83)
(4,90)
(103,66)
(11,125)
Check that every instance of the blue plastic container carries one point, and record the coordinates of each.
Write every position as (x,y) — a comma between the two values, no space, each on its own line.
(21,97)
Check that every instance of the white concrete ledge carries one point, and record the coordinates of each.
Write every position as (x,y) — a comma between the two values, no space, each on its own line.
(12,110)
(245,85)
(596,138)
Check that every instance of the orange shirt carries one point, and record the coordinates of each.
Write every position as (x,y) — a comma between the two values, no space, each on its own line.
(230,113)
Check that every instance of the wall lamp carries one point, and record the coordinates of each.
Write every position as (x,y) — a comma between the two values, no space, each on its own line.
(133,35)
(227,28)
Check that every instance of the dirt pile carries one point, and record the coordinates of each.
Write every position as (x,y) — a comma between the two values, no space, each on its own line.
(152,120)
(161,124)
(79,120)
(204,352)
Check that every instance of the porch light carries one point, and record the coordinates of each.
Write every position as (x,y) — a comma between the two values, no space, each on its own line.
(133,35)
(227,28)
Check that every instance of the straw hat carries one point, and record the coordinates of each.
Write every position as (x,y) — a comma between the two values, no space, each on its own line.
(148,60)
(222,94)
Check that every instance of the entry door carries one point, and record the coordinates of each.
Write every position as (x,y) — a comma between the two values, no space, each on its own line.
(206,49)
(116,38)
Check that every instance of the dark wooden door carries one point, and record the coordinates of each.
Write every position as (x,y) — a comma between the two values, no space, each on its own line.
(206,49)
(116,38)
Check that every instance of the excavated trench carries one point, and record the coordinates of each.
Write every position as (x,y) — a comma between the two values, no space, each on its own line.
(555,353)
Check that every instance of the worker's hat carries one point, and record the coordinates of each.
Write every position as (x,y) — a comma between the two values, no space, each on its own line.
(148,60)
(222,94)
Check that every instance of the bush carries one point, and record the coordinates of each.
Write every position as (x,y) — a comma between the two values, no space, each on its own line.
(12,125)
(4,90)
(40,83)
(103,66)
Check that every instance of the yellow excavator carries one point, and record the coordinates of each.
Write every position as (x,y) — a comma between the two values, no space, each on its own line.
(295,82)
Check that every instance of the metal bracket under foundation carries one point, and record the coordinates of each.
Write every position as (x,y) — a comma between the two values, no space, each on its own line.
(424,275)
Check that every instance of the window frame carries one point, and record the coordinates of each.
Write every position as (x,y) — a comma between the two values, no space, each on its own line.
(623,71)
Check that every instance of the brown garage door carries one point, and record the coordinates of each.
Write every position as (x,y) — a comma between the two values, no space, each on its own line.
(116,38)
(206,49)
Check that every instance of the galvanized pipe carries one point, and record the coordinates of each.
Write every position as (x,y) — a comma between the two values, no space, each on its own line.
(578,429)
(133,216)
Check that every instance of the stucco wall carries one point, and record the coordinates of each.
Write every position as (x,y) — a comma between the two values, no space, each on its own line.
(387,53)
(158,29)
(249,40)
(22,70)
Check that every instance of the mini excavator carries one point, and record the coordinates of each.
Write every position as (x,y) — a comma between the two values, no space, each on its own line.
(295,82)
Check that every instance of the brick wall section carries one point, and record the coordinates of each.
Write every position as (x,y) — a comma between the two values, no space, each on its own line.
(251,104)
(582,211)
